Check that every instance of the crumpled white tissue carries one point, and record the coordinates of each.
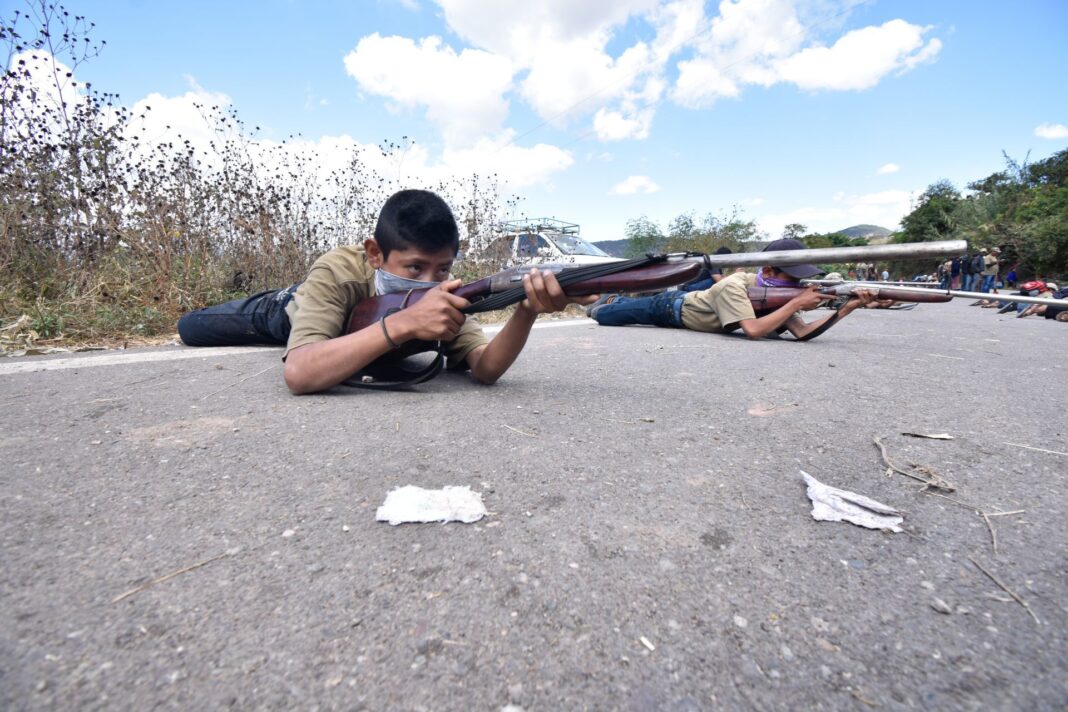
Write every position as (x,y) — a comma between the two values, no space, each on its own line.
(830,504)
(415,504)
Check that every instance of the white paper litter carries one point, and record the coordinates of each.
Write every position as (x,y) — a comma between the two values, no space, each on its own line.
(830,504)
(415,504)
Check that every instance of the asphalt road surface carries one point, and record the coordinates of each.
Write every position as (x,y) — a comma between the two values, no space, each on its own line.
(649,545)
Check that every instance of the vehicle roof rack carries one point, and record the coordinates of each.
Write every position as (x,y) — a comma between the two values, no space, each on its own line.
(539,225)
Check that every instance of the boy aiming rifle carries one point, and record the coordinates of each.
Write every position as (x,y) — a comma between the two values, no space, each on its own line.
(414,246)
(726,306)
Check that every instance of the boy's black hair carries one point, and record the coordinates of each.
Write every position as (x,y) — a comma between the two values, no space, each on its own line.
(416,219)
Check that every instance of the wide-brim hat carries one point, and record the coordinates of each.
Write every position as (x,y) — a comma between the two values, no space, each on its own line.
(803,271)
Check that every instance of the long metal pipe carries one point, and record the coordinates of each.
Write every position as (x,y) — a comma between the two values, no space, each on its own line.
(825,255)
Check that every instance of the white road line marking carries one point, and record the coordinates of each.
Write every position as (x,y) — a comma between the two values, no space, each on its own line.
(57,364)
(32,365)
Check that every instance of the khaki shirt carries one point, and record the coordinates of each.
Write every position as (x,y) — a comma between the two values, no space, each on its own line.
(338,281)
(720,307)
(991,265)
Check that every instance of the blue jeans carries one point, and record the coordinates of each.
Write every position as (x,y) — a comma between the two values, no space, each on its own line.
(988,282)
(259,319)
(966,282)
(697,285)
(664,309)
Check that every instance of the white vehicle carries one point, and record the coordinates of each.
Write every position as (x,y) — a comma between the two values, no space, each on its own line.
(544,240)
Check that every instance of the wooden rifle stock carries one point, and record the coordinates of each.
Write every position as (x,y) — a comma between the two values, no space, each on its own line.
(767,299)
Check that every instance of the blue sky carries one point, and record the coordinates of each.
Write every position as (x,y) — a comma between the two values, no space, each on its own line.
(822,112)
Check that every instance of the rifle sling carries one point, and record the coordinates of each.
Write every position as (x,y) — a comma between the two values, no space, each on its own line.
(383,376)
(823,327)
(395,376)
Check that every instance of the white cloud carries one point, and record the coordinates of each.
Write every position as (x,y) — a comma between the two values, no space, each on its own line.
(744,38)
(572,61)
(515,166)
(1053,131)
(634,184)
(614,126)
(760,42)
(887,169)
(562,48)
(861,58)
(464,93)
(522,30)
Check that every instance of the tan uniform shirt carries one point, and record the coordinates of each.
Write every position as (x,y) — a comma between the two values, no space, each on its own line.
(991,265)
(336,283)
(720,307)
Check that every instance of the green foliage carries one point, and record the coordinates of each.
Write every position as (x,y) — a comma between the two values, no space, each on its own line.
(833,239)
(643,236)
(1023,209)
(933,219)
(712,232)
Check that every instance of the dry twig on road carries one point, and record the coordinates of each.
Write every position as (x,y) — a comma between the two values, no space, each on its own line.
(922,473)
(1006,589)
(167,577)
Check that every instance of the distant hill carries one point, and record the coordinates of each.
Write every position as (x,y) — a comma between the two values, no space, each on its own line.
(865,231)
(613,247)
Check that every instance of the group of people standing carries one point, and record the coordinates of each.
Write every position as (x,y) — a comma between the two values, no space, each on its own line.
(977,272)
(868,272)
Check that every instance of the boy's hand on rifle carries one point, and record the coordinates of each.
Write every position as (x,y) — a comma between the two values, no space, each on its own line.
(810,299)
(859,298)
(435,317)
(545,295)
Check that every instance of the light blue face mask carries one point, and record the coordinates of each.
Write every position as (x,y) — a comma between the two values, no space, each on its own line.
(387,282)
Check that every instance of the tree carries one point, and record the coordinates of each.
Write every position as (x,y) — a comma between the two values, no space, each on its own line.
(728,229)
(794,231)
(933,219)
(1052,171)
(643,236)
(682,227)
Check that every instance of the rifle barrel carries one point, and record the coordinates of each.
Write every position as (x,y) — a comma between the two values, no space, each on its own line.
(972,295)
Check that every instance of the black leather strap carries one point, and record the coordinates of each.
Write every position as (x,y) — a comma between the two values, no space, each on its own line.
(831,320)
(396,376)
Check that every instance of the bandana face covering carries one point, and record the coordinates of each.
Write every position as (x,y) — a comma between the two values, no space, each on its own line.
(387,282)
(762,281)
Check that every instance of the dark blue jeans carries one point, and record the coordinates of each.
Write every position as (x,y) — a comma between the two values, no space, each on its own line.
(664,309)
(259,319)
